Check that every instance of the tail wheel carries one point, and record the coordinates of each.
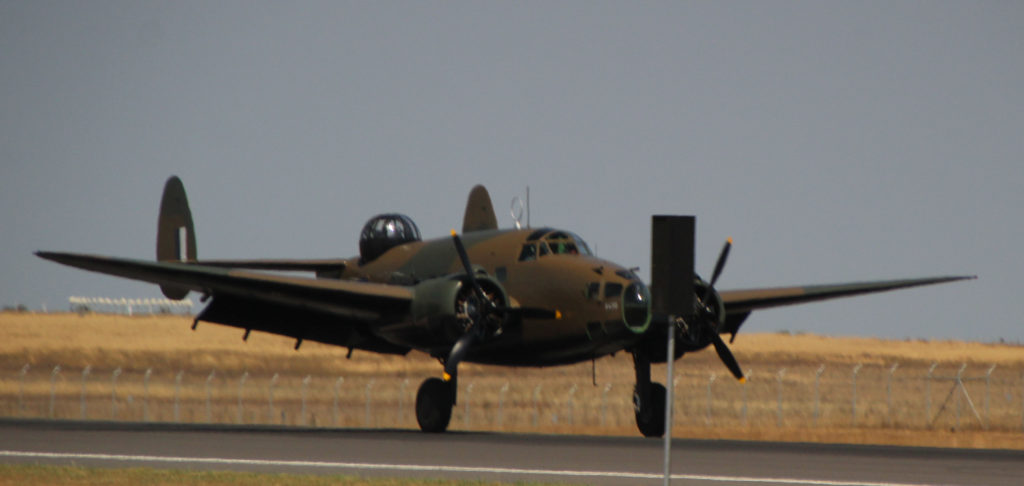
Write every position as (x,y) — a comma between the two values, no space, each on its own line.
(434,402)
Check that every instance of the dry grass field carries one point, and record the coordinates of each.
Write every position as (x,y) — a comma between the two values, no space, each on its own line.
(801,388)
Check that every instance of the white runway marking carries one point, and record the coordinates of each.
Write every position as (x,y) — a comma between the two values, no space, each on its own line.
(428,468)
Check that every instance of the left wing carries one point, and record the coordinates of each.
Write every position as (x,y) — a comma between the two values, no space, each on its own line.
(740,303)
(338,312)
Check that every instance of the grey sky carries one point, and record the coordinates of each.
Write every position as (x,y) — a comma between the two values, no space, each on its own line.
(833,141)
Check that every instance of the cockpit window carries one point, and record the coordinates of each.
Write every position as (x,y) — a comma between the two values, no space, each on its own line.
(544,250)
(554,242)
(528,253)
(612,290)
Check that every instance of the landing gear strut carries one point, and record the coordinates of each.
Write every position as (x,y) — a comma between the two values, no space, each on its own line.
(434,402)
(648,399)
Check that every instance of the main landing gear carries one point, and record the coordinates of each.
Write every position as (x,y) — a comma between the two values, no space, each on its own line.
(434,403)
(648,399)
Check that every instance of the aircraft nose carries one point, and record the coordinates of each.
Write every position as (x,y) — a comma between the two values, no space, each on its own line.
(636,307)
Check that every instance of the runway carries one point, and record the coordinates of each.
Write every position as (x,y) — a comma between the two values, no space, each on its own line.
(506,457)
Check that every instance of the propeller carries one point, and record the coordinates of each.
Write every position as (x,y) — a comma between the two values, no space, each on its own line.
(480,310)
(720,347)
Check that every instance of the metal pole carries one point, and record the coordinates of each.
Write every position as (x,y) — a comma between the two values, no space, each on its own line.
(85,375)
(669,404)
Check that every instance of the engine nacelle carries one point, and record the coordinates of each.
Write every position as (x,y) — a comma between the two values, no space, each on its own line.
(694,336)
(443,309)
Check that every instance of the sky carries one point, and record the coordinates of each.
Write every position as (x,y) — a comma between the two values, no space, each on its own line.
(833,141)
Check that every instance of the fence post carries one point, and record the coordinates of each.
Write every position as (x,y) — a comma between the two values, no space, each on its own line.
(81,398)
(305,386)
(241,385)
(270,398)
(53,388)
(959,384)
(113,393)
(145,397)
(337,391)
(928,392)
(369,387)
(853,401)
(501,405)
(604,403)
(209,396)
(177,395)
(743,413)
(469,394)
(537,405)
(711,381)
(570,403)
(817,393)
(778,412)
(988,380)
(401,400)
(888,392)
(21,389)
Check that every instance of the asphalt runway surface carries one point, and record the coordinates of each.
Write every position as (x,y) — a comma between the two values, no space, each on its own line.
(493,456)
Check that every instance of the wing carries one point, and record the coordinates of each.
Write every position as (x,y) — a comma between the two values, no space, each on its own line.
(332,311)
(740,303)
(323,268)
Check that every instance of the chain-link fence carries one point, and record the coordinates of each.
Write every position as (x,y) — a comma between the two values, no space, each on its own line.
(833,395)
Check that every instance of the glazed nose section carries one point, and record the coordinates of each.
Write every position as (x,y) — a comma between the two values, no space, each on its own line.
(636,307)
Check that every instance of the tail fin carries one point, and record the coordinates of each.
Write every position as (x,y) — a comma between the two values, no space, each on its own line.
(175,233)
(479,211)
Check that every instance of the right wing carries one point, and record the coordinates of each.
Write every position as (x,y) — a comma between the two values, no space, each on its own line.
(341,312)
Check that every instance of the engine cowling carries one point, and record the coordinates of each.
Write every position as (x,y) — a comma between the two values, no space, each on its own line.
(693,336)
(443,309)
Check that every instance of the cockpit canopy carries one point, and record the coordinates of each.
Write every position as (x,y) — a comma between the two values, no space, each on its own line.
(547,241)
(384,232)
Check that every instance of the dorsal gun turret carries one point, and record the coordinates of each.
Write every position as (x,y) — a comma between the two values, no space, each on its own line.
(384,232)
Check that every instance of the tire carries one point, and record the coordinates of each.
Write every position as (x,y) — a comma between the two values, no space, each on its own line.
(434,402)
(650,411)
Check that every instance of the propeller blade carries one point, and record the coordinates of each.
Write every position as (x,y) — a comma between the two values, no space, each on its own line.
(461,250)
(719,266)
(726,356)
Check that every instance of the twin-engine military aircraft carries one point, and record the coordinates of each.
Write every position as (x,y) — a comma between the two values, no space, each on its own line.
(516,297)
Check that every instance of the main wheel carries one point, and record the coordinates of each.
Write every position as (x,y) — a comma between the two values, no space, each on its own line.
(434,403)
(650,410)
